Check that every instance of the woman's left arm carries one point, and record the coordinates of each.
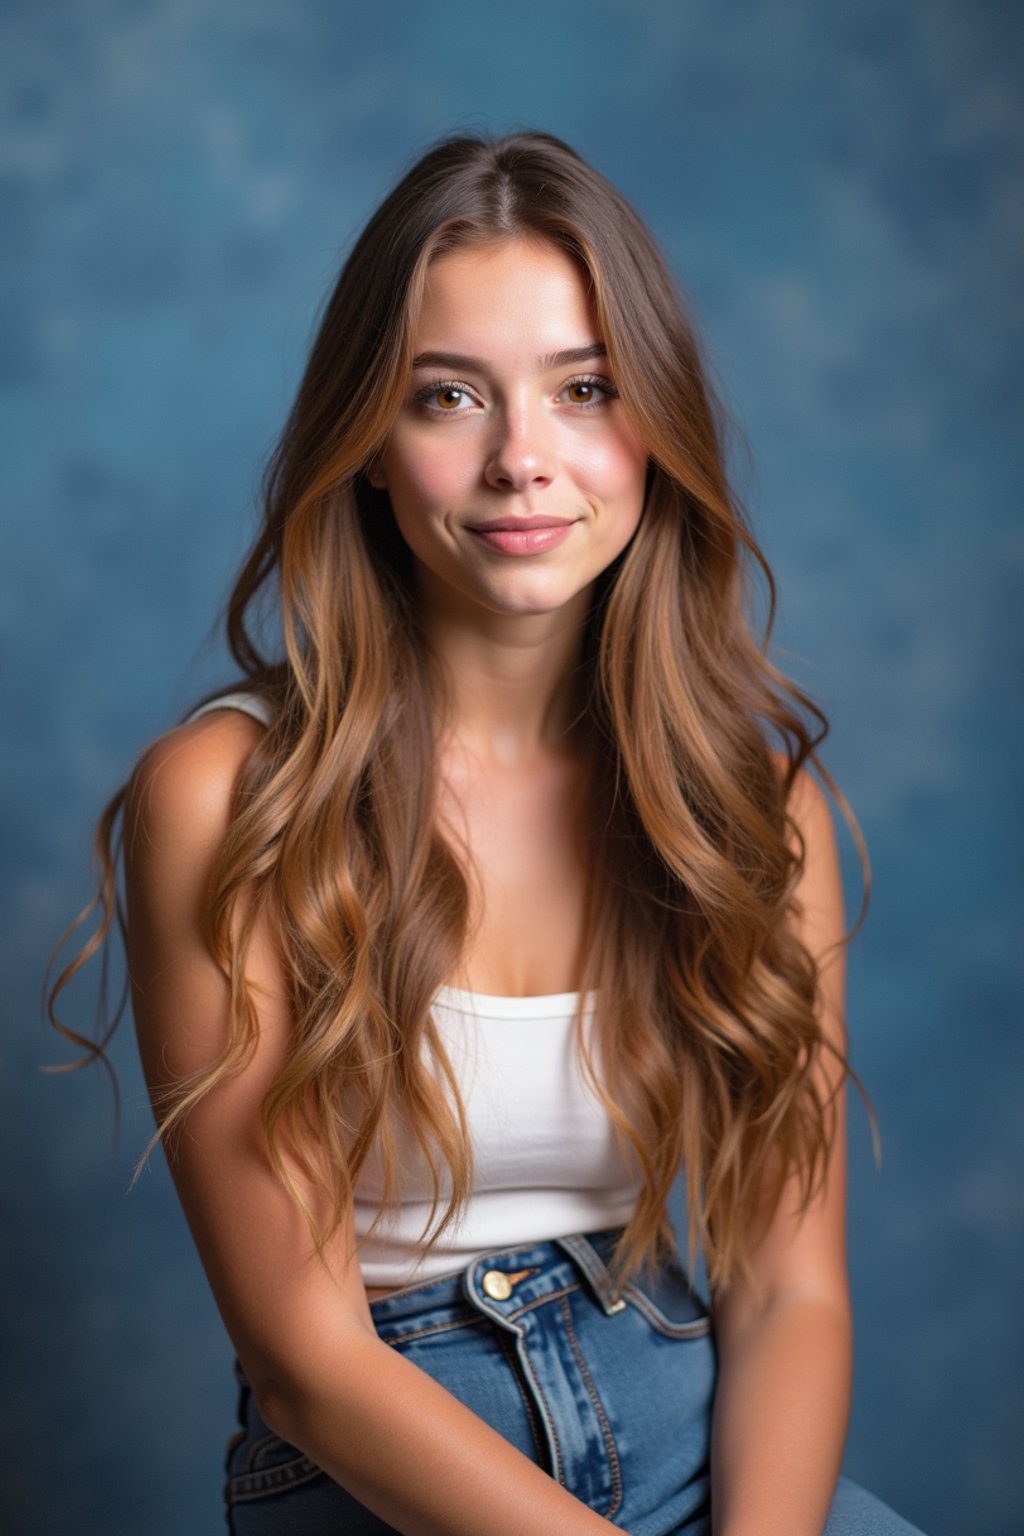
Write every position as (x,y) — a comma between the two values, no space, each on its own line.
(785,1339)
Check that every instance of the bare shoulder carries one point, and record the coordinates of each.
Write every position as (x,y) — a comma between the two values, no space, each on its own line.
(177,812)
(808,805)
(819,914)
(181,789)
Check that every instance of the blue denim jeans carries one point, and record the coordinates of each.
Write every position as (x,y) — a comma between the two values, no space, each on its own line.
(612,1395)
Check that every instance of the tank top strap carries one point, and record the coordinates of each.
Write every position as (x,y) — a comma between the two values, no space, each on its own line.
(254,704)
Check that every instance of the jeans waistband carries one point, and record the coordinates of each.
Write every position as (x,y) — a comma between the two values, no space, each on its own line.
(504,1280)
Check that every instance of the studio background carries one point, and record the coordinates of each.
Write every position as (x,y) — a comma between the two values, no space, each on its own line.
(839,191)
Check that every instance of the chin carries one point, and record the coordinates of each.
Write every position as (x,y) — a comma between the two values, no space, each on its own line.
(533,598)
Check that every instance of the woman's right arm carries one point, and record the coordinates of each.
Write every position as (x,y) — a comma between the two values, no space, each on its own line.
(398,1441)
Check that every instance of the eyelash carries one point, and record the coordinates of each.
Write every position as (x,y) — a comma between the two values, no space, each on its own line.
(422,396)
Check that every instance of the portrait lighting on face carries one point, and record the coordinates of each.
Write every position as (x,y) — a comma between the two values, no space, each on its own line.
(515,477)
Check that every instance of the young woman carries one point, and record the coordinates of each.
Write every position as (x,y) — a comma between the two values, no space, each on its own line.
(493,899)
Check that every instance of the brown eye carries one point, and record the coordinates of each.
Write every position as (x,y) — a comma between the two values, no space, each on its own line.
(589,394)
(442,397)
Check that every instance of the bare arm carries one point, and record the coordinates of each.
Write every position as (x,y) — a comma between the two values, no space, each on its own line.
(398,1441)
(785,1343)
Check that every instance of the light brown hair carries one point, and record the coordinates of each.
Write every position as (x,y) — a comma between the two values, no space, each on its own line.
(707,1033)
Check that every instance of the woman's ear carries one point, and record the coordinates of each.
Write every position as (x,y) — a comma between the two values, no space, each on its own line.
(375,475)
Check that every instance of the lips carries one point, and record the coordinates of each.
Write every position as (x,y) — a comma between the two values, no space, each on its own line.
(525,536)
(519,524)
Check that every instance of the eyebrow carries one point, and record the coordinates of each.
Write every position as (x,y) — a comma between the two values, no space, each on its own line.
(545,364)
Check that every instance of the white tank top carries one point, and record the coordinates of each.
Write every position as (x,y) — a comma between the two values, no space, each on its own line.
(546,1162)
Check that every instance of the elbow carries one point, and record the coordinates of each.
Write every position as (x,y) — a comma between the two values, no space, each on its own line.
(827,1307)
(289,1407)
(292,1397)
(832,1308)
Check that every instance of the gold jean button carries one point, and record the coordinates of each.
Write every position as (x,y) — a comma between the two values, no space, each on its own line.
(497,1285)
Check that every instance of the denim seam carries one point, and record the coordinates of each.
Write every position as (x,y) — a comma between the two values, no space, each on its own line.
(592,1264)
(420,1333)
(509,1351)
(599,1410)
(256,1485)
(542,1401)
(700,1327)
(419,1285)
(540,1300)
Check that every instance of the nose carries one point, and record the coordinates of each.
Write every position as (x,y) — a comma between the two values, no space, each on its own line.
(521,453)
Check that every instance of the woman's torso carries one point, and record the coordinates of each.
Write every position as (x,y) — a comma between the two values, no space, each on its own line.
(523,830)
(522,825)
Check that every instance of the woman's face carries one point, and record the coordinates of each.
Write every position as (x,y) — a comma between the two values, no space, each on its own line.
(513,472)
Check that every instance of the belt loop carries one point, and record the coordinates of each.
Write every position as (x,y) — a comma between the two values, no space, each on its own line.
(593,1266)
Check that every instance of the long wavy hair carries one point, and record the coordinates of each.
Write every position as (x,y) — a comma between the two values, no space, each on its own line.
(707,1037)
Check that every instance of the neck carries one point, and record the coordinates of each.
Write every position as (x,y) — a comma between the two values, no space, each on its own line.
(511,680)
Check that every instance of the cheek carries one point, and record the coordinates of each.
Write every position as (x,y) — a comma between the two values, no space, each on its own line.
(611,467)
(427,474)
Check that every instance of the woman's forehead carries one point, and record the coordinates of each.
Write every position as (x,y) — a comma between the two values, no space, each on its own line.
(517,296)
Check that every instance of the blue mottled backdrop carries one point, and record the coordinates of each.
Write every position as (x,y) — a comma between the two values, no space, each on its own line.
(839,189)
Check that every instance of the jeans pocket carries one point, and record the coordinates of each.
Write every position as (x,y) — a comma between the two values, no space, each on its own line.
(260,1463)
